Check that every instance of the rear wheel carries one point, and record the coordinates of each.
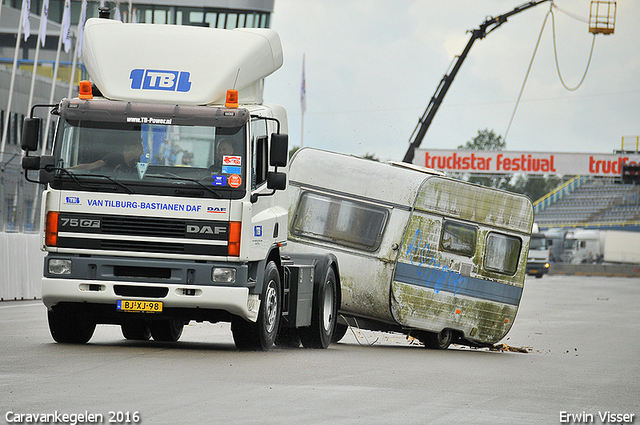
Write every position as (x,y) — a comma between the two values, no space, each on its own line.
(339,332)
(261,335)
(70,324)
(166,330)
(439,341)
(135,329)
(323,317)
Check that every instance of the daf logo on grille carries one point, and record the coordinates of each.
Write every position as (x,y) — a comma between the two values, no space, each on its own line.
(208,230)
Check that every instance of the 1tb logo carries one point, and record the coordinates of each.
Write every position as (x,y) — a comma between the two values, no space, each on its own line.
(155,79)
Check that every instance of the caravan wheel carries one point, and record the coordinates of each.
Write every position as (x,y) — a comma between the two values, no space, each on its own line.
(439,341)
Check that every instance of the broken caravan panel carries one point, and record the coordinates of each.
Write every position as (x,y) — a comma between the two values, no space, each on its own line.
(419,253)
(161,243)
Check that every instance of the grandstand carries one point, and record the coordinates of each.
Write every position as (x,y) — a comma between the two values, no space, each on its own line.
(590,202)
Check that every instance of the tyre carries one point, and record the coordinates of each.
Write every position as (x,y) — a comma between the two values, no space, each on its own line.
(166,330)
(288,337)
(135,329)
(70,324)
(339,332)
(262,334)
(323,317)
(439,341)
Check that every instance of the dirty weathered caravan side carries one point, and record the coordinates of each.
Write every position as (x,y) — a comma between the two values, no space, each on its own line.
(419,253)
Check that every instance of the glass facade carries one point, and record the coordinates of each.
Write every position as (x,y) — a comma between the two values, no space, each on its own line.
(214,17)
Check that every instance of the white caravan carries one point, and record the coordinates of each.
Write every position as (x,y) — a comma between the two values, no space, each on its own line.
(419,253)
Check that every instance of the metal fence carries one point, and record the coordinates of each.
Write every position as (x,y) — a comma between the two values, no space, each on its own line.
(19,199)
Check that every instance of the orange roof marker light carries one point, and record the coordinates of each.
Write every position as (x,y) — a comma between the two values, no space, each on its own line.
(232,99)
(84,90)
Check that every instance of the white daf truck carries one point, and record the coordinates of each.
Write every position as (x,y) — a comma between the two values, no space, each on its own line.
(166,196)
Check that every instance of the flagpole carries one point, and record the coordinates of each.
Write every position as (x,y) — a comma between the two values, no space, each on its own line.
(303,102)
(63,36)
(43,16)
(83,11)
(11,84)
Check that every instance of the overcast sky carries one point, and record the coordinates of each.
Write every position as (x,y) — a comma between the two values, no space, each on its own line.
(373,65)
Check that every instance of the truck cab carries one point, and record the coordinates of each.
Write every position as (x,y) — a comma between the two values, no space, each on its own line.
(166,195)
(582,247)
(539,256)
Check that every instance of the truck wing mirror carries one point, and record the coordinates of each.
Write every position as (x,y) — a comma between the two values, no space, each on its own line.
(31,162)
(279,153)
(31,134)
(277,181)
(47,168)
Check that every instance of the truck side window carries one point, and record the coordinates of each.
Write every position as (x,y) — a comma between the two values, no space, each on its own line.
(259,153)
(502,253)
(340,221)
(458,238)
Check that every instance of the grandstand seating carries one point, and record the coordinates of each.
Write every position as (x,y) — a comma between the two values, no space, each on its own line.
(599,202)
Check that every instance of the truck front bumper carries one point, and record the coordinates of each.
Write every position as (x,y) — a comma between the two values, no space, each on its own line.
(537,269)
(235,300)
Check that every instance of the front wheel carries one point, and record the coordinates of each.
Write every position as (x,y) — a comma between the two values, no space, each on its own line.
(262,334)
(70,324)
(323,317)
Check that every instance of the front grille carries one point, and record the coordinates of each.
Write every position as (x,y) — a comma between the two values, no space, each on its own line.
(185,233)
(142,226)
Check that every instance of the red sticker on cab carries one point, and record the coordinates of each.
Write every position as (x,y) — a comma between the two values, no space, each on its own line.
(234,180)
(231,160)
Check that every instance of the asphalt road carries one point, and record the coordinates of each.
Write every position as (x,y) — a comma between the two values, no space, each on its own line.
(582,334)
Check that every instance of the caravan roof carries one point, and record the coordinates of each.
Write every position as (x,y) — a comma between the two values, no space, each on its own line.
(410,188)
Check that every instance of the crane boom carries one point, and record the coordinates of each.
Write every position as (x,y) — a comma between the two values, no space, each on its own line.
(485,28)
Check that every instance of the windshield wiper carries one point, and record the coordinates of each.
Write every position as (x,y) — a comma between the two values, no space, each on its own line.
(75,179)
(171,176)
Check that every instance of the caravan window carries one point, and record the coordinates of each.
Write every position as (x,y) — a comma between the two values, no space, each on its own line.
(341,221)
(502,253)
(458,238)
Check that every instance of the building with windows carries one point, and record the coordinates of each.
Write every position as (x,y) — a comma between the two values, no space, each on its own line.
(19,200)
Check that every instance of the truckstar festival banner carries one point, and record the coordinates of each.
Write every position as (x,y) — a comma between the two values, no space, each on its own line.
(509,162)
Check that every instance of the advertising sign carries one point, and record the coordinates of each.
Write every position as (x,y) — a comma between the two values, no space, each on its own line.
(510,162)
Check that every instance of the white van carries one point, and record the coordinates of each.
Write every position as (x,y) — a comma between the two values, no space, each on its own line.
(419,253)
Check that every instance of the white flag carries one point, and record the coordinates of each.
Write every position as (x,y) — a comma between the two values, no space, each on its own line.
(83,16)
(26,11)
(43,22)
(66,26)
(303,91)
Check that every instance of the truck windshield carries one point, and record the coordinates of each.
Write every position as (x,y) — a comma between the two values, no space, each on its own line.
(538,243)
(145,157)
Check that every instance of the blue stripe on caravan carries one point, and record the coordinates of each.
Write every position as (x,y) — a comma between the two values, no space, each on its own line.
(442,279)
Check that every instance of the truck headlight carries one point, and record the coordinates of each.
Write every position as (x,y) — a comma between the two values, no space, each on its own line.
(223,275)
(59,266)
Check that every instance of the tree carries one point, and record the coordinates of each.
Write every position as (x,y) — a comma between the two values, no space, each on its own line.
(486,140)
(293,150)
(535,187)
(371,156)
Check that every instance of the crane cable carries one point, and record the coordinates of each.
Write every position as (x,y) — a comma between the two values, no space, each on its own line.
(555,52)
(513,114)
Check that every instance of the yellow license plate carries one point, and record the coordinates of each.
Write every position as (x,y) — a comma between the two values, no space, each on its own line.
(140,306)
